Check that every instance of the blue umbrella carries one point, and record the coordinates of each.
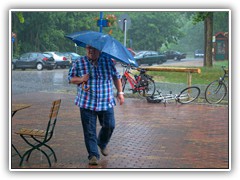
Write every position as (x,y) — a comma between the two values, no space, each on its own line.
(104,43)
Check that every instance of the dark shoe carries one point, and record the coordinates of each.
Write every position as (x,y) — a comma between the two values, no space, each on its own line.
(93,161)
(104,151)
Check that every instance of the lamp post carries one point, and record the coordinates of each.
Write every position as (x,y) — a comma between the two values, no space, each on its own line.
(101,23)
(124,23)
(13,40)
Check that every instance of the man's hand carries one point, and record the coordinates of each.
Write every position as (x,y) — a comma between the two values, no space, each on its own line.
(85,77)
(79,80)
(120,99)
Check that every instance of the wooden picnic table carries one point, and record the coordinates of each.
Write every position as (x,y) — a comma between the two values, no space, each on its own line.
(16,108)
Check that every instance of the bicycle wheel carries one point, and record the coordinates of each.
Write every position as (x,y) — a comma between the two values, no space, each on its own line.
(188,95)
(124,81)
(148,89)
(215,92)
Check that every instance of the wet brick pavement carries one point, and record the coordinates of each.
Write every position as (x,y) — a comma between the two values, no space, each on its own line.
(193,136)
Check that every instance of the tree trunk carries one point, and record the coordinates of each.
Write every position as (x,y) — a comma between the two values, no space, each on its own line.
(208,38)
(205,42)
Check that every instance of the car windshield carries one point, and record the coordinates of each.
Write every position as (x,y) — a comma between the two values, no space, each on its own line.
(199,51)
(75,54)
(47,55)
(154,53)
(140,53)
(59,54)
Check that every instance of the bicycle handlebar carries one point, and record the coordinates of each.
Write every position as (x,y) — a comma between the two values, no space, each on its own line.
(225,70)
(128,66)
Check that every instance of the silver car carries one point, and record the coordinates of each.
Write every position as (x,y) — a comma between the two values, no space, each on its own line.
(60,59)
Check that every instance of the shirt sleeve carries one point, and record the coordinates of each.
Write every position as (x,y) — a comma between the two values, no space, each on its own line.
(115,73)
(73,71)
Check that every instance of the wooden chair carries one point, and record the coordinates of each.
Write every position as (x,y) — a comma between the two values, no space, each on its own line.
(38,139)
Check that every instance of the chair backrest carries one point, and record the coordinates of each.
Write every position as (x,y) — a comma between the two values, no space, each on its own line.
(52,119)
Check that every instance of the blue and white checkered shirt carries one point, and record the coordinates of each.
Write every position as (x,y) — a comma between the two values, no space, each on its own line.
(100,96)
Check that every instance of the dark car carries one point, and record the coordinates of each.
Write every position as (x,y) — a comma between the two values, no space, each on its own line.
(199,53)
(176,55)
(34,60)
(150,57)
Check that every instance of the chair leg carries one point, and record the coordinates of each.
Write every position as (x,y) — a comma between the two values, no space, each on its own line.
(49,162)
(16,151)
(27,153)
(37,147)
(44,144)
(54,155)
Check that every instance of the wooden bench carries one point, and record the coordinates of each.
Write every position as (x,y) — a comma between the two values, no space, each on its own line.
(189,71)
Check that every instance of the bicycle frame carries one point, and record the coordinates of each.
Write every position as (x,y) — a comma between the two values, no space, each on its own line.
(186,96)
(133,82)
(166,97)
(222,79)
(217,89)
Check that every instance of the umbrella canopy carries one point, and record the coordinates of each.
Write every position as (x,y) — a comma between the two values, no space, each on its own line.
(104,43)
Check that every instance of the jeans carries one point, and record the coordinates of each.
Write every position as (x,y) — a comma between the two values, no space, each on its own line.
(89,124)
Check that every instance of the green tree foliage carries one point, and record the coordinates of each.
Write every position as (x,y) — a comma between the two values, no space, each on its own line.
(192,35)
(150,30)
(20,17)
(220,22)
(193,38)
(44,31)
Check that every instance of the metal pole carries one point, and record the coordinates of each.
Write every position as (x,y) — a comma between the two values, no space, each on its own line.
(12,50)
(101,24)
(125,32)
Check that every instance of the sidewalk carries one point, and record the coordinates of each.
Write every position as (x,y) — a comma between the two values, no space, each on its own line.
(146,136)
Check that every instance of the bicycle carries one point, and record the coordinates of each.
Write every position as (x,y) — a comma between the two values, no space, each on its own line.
(143,84)
(186,96)
(217,90)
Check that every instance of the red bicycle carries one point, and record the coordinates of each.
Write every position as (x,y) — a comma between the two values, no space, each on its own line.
(143,84)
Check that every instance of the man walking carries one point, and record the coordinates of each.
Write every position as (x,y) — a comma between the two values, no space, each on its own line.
(95,74)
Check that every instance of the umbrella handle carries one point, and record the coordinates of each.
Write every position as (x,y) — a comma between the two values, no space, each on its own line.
(85,89)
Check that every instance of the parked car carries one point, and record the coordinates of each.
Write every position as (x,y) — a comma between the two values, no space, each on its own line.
(176,55)
(132,51)
(60,59)
(198,53)
(72,56)
(34,60)
(150,57)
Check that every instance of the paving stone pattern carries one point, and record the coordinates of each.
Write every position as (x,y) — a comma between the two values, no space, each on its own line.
(147,136)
